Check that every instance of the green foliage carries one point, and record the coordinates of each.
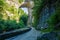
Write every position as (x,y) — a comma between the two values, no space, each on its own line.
(24,18)
(39,4)
(54,20)
(21,23)
(20,1)
(11,25)
(8,25)
(11,13)
(3,5)
(11,9)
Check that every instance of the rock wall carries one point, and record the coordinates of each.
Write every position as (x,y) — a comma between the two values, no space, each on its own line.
(44,16)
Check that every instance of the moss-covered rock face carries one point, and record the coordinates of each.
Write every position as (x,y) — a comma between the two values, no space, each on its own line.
(48,11)
(54,20)
(36,11)
(50,36)
(41,11)
(53,10)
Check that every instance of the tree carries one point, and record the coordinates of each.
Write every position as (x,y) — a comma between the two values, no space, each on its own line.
(9,15)
(23,16)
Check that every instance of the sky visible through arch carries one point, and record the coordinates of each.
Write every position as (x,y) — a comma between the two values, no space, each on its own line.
(25,10)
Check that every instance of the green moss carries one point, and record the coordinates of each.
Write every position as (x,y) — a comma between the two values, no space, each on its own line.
(39,4)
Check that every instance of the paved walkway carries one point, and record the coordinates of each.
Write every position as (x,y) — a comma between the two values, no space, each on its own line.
(31,35)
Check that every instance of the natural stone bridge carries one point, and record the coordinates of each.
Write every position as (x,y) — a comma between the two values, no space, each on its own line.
(28,4)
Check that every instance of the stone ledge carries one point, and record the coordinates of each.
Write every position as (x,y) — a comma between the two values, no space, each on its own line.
(13,33)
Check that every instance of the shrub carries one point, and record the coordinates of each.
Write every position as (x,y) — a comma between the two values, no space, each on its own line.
(21,23)
(24,18)
(10,25)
